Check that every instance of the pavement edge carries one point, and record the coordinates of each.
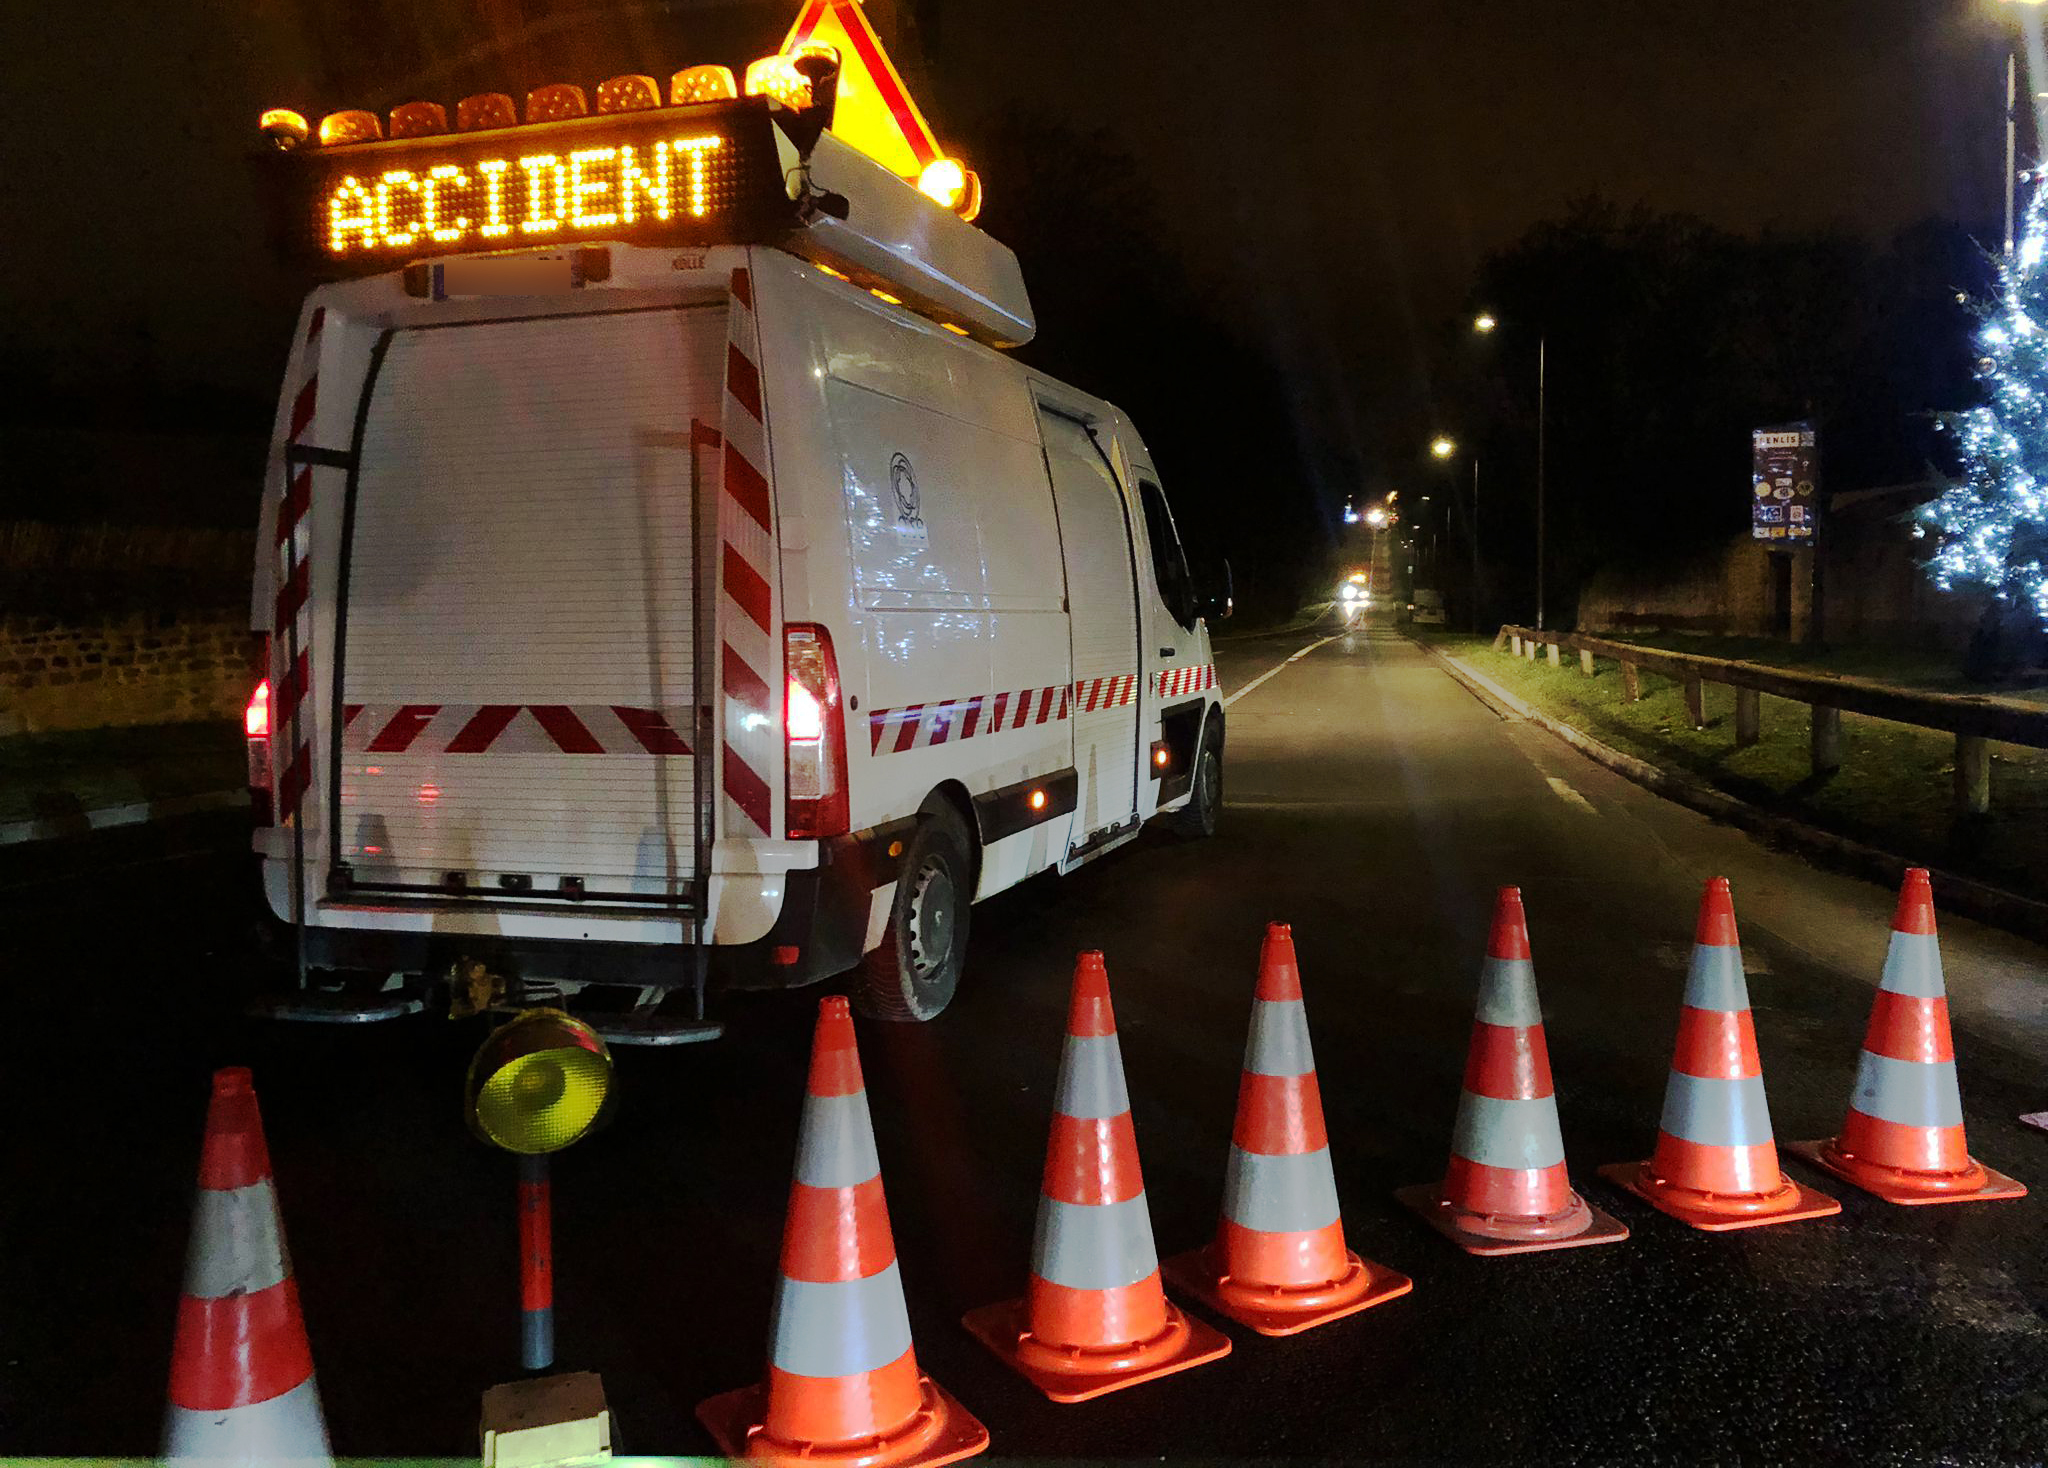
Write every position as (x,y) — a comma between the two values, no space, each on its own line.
(1974,899)
(85,822)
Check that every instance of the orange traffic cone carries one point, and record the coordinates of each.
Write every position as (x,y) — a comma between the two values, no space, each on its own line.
(242,1387)
(1278,1263)
(843,1385)
(1095,1319)
(1506,1190)
(1903,1139)
(1716,1165)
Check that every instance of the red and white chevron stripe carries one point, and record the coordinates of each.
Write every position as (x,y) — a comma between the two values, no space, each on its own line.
(291,673)
(513,728)
(1194,678)
(922,725)
(750,663)
(1093,694)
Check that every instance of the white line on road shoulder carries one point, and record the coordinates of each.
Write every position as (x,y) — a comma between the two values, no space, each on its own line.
(1279,667)
(1570,796)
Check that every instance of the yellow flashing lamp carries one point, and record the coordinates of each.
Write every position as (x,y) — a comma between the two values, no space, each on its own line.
(484,111)
(285,128)
(539,1083)
(951,184)
(628,94)
(352,126)
(777,77)
(701,84)
(874,111)
(556,102)
(418,120)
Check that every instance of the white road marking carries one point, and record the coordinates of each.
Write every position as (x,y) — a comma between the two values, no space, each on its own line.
(1570,796)
(1279,668)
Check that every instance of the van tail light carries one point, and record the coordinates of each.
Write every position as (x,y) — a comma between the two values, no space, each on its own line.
(256,729)
(814,733)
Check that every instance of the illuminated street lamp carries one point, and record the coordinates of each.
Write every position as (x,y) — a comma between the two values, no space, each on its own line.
(1442,447)
(1376,516)
(1484,322)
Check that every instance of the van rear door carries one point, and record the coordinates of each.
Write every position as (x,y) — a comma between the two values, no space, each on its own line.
(1095,543)
(522,640)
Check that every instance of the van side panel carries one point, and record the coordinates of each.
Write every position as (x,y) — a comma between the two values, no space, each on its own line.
(929,489)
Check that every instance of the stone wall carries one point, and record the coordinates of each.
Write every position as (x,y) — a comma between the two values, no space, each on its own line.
(133,669)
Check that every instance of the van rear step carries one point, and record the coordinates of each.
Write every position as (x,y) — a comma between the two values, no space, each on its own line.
(337,1006)
(651,1027)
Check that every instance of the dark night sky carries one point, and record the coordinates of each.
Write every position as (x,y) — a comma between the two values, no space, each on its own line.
(1334,171)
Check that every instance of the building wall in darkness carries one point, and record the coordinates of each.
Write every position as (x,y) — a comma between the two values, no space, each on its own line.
(135,669)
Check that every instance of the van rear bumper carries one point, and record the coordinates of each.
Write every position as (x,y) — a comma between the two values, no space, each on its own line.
(820,930)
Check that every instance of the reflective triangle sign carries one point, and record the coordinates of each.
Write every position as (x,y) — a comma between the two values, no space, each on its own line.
(874,112)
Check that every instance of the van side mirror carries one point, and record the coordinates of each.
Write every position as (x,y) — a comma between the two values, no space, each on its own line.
(1214,592)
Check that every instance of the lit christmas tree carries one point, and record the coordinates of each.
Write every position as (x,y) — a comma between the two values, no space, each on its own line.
(1994,519)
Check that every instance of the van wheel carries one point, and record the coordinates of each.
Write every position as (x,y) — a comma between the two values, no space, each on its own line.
(1205,798)
(917,968)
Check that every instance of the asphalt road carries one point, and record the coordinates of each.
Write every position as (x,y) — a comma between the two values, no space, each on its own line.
(1375,805)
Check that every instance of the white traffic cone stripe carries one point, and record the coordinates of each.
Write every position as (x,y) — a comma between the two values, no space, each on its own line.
(244,1437)
(1278,1044)
(1507,994)
(841,1328)
(1280,1195)
(1908,1092)
(1715,980)
(1092,1079)
(836,1142)
(1912,966)
(1716,1112)
(1501,1133)
(1093,1246)
(237,1243)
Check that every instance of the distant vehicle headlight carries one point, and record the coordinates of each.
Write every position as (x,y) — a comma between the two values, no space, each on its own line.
(1350,591)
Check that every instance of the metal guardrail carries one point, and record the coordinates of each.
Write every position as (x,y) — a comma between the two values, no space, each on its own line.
(1974,719)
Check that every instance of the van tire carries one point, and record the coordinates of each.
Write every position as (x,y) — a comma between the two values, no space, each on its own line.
(904,979)
(1198,817)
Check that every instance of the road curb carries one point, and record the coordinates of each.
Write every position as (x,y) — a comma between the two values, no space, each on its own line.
(85,822)
(1966,895)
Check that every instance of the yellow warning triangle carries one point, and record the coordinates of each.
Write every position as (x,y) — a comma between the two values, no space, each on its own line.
(874,112)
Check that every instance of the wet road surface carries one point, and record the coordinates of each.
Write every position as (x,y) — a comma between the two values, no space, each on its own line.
(1375,805)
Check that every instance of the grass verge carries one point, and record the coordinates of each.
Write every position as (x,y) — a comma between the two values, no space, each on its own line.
(1894,789)
(55,775)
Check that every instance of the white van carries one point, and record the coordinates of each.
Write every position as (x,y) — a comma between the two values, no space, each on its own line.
(639,611)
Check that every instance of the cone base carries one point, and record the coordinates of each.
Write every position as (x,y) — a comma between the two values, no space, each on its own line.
(942,1432)
(1279,1312)
(1801,1202)
(1005,1329)
(1884,1182)
(1427,1200)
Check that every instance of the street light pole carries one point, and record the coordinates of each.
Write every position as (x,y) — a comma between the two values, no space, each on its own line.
(2011,144)
(1475,542)
(1542,424)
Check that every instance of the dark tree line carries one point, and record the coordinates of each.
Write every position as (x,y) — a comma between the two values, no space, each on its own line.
(1120,317)
(1668,341)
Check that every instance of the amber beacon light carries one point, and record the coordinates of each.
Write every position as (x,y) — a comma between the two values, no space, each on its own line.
(539,1083)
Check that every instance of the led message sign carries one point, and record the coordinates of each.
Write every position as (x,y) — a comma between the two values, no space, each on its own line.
(691,175)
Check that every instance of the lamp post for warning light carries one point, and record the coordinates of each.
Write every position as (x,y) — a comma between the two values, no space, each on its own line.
(539,1083)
